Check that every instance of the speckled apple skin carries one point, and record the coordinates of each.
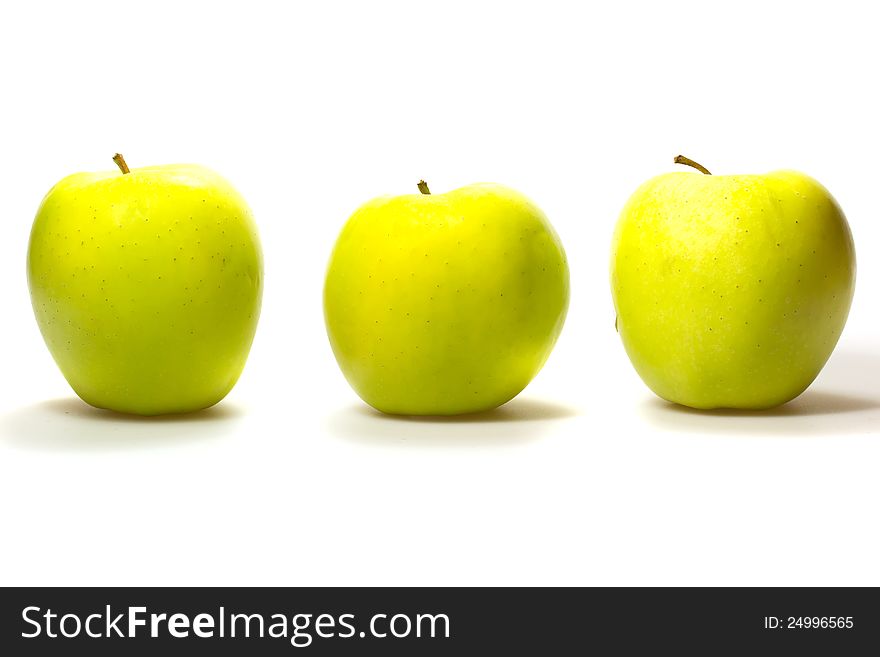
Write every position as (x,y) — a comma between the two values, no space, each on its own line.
(731,291)
(445,304)
(147,286)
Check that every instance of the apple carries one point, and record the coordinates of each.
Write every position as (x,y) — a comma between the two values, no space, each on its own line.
(443,304)
(146,285)
(731,291)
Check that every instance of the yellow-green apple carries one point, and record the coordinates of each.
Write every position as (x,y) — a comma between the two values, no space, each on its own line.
(731,291)
(146,285)
(445,304)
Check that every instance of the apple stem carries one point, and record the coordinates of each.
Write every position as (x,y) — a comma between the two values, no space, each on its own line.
(423,187)
(120,162)
(681,159)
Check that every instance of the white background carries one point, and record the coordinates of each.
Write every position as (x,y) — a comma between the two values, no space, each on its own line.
(311,109)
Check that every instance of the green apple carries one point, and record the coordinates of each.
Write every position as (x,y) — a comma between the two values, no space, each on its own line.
(731,291)
(445,304)
(146,285)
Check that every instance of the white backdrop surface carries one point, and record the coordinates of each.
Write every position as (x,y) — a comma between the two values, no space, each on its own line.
(311,109)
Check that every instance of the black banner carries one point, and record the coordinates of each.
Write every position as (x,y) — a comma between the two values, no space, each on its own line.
(444,621)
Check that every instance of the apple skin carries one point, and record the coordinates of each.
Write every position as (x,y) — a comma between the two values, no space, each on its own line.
(147,286)
(731,291)
(445,304)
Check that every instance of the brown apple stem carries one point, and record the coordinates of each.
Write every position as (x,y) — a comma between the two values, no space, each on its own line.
(120,162)
(681,159)
(423,187)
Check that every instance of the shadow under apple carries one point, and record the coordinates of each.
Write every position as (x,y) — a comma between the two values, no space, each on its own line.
(844,399)
(519,421)
(72,425)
